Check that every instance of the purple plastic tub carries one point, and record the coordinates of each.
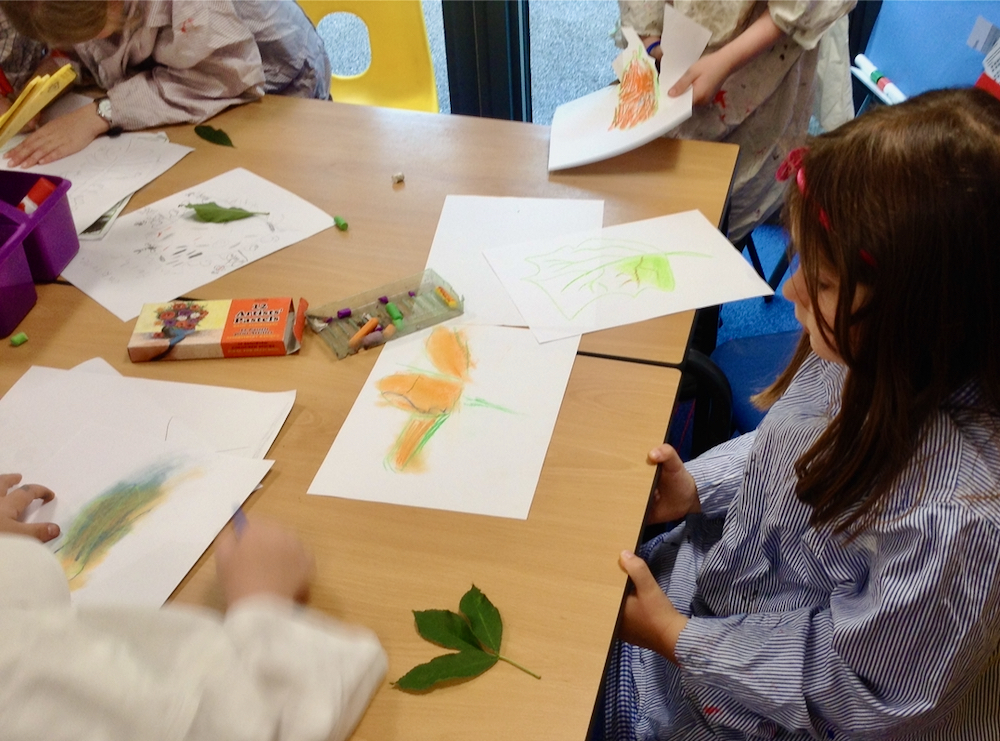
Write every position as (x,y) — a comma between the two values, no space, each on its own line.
(52,241)
(17,288)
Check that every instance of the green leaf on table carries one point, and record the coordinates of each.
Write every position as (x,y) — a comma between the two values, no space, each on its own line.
(483,617)
(216,214)
(216,136)
(476,633)
(446,628)
(463,665)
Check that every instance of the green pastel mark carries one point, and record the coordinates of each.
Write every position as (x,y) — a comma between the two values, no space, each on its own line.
(648,270)
(574,276)
(475,401)
(104,521)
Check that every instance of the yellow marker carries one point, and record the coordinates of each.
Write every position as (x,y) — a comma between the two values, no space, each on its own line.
(448,299)
(355,342)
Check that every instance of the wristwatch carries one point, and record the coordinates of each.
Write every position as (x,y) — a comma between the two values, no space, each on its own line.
(104,111)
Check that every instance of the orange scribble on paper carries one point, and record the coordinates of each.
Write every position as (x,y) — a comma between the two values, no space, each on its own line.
(429,399)
(638,93)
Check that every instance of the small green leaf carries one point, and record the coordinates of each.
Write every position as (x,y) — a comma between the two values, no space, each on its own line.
(216,136)
(446,628)
(463,665)
(216,214)
(483,617)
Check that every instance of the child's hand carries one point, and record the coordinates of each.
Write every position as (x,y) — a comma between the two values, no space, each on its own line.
(59,138)
(262,559)
(13,502)
(649,618)
(705,76)
(676,494)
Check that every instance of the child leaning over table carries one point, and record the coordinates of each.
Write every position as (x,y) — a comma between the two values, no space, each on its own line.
(164,62)
(269,670)
(837,572)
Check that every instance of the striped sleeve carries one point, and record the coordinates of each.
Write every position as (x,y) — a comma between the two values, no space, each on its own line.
(894,652)
(718,473)
(205,60)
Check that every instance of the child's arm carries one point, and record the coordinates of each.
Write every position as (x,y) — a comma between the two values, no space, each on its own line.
(271,669)
(708,73)
(204,63)
(913,622)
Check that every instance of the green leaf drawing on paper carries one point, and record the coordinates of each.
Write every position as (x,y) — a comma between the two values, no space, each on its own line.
(216,136)
(475,633)
(576,275)
(216,214)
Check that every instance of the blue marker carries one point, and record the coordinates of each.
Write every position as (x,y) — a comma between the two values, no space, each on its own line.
(239,521)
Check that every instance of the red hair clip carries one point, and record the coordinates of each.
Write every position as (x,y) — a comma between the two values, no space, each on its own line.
(792,165)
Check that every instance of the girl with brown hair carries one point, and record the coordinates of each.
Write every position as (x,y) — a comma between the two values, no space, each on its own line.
(837,572)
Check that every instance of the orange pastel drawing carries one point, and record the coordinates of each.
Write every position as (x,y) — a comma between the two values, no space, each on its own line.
(429,398)
(638,93)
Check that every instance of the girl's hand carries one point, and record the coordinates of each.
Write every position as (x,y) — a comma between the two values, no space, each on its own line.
(262,559)
(59,138)
(705,76)
(676,494)
(14,501)
(649,618)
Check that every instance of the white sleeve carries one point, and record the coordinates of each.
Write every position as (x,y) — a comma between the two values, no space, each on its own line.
(268,670)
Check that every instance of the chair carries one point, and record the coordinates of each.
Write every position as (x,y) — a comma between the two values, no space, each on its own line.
(721,384)
(401,73)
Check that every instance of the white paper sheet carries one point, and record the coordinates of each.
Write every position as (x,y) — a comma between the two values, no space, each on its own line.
(161,506)
(582,130)
(622,274)
(487,453)
(160,252)
(230,420)
(471,224)
(106,170)
(46,407)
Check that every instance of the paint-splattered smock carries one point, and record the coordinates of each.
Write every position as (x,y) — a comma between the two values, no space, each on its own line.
(267,671)
(184,61)
(798,634)
(765,106)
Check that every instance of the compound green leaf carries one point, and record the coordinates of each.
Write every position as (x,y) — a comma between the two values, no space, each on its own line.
(216,214)
(463,665)
(446,628)
(216,136)
(483,617)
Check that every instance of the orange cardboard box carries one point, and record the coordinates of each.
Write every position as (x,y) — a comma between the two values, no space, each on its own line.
(234,328)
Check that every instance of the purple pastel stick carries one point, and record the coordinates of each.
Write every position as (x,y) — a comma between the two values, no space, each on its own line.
(343,313)
(383,299)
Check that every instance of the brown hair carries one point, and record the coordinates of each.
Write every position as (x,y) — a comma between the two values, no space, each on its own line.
(904,201)
(57,23)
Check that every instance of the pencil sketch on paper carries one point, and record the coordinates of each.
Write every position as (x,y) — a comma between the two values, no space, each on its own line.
(638,92)
(429,398)
(574,276)
(105,520)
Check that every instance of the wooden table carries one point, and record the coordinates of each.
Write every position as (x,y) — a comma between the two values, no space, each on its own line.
(553,576)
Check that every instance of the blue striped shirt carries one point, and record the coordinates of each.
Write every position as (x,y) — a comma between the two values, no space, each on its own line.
(799,633)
